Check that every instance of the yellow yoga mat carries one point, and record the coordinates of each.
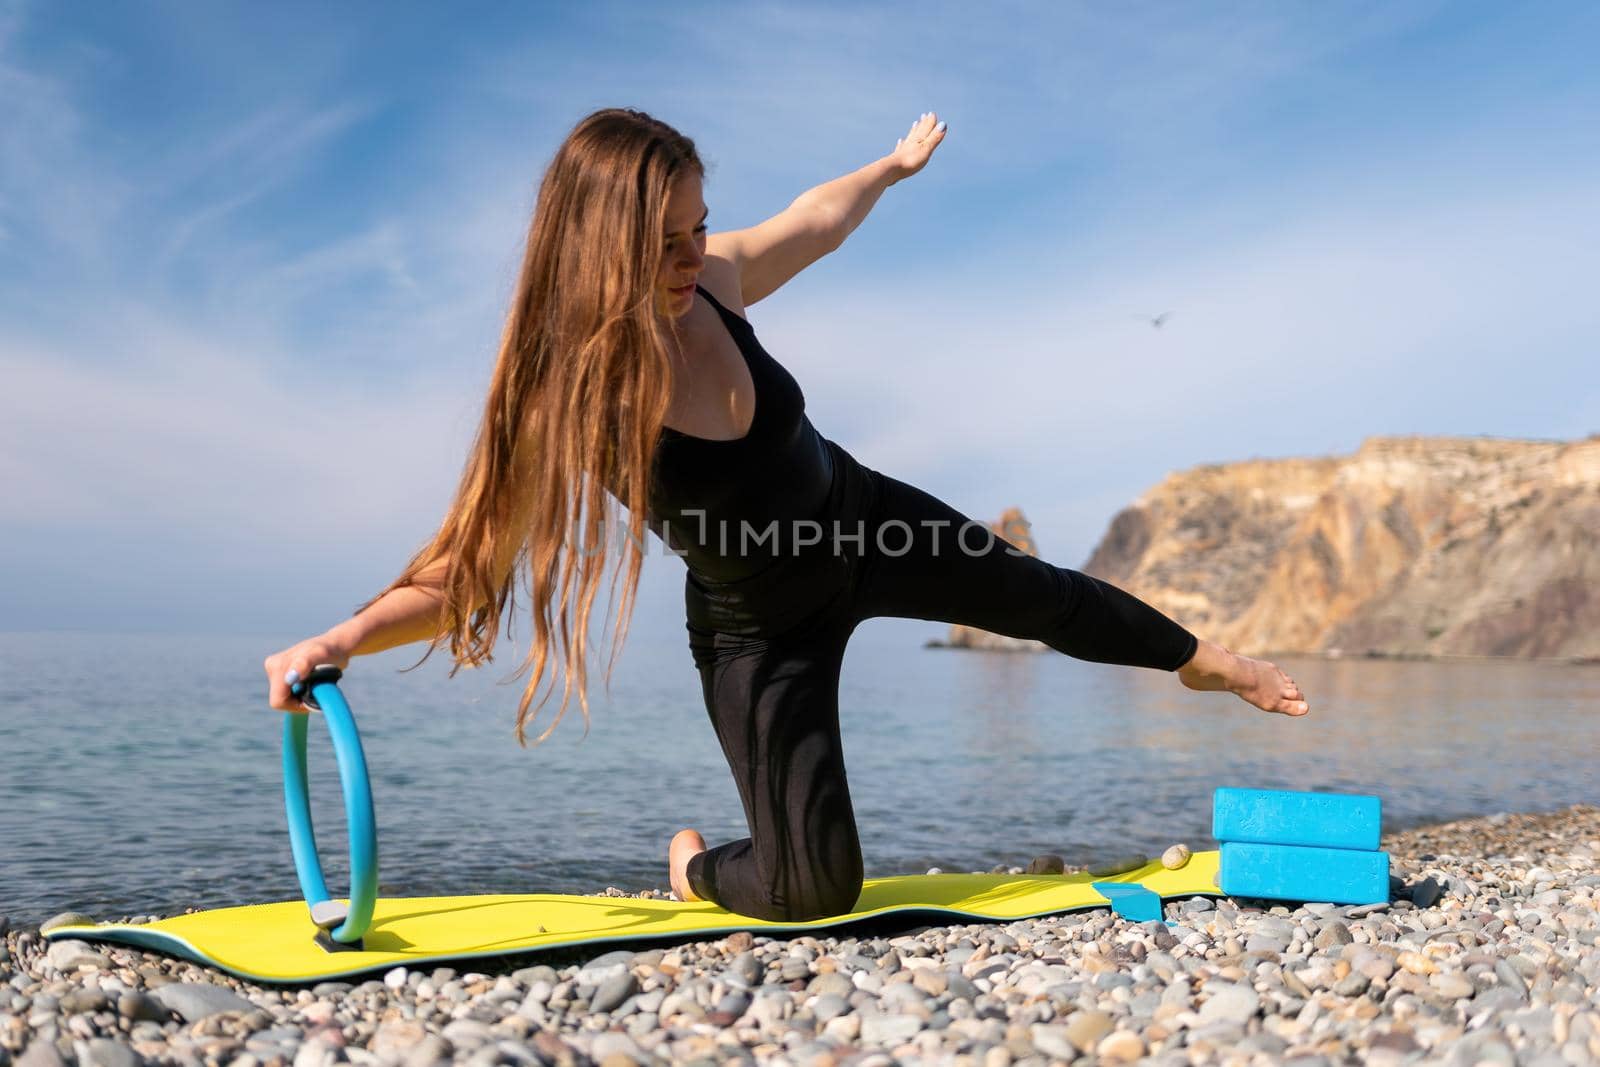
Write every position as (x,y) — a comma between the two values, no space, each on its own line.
(276,942)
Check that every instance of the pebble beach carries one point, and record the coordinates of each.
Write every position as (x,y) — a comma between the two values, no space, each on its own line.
(1485,954)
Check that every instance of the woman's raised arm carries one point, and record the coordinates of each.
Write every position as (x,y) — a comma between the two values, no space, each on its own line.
(770,253)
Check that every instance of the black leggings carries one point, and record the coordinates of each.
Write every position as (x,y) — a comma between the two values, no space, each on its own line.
(769,651)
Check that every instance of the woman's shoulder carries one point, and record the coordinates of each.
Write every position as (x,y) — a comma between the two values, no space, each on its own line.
(720,278)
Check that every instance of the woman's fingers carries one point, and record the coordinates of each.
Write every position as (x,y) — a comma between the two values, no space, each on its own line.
(286,674)
(914,149)
(295,678)
(277,689)
(920,129)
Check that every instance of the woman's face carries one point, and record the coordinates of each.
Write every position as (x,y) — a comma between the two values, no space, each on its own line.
(685,245)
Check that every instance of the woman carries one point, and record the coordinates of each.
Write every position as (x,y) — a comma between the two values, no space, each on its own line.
(628,374)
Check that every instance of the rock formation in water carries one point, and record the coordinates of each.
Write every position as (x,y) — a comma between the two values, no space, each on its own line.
(1013,527)
(1414,546)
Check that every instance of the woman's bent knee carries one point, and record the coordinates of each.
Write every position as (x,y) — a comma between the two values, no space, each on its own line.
(821,889)
(836,897)
(835,887)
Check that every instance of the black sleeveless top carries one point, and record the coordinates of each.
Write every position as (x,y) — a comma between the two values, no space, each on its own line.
(731,507)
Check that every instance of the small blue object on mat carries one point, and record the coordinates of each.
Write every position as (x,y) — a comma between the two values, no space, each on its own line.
(1281,817)
(1133,902)
(1297,872)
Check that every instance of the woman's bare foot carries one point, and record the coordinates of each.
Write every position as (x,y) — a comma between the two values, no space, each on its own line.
(686,844)
(1255,681)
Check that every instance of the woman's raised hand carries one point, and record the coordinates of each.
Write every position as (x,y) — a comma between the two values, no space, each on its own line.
(289,667)
(912,152)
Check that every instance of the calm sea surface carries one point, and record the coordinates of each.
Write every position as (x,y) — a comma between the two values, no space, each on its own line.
(140,774)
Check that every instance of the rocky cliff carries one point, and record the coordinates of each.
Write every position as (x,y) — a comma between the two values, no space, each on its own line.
(1412,546)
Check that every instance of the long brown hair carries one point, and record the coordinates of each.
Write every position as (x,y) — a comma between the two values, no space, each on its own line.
(574,411)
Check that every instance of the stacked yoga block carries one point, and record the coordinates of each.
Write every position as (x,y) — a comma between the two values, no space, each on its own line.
(1282,845)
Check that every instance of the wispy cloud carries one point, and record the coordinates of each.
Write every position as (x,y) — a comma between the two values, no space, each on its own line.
(200,435)
(50,195)
(244,163)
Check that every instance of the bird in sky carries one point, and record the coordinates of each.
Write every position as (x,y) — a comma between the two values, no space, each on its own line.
(1156,321)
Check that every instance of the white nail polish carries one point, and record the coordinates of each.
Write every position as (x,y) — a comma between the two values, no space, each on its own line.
(291,677)
(939,128)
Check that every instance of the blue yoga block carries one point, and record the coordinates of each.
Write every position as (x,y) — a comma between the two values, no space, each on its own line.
(1295,872)
(1280,817)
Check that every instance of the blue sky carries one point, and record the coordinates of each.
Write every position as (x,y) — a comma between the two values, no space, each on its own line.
(254,258)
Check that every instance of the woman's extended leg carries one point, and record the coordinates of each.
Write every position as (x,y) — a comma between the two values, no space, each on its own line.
(775,707)
(925,560)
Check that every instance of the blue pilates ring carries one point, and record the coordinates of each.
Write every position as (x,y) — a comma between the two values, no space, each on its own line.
(321,691)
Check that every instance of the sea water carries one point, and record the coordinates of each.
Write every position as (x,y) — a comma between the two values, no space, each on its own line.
(141,773)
